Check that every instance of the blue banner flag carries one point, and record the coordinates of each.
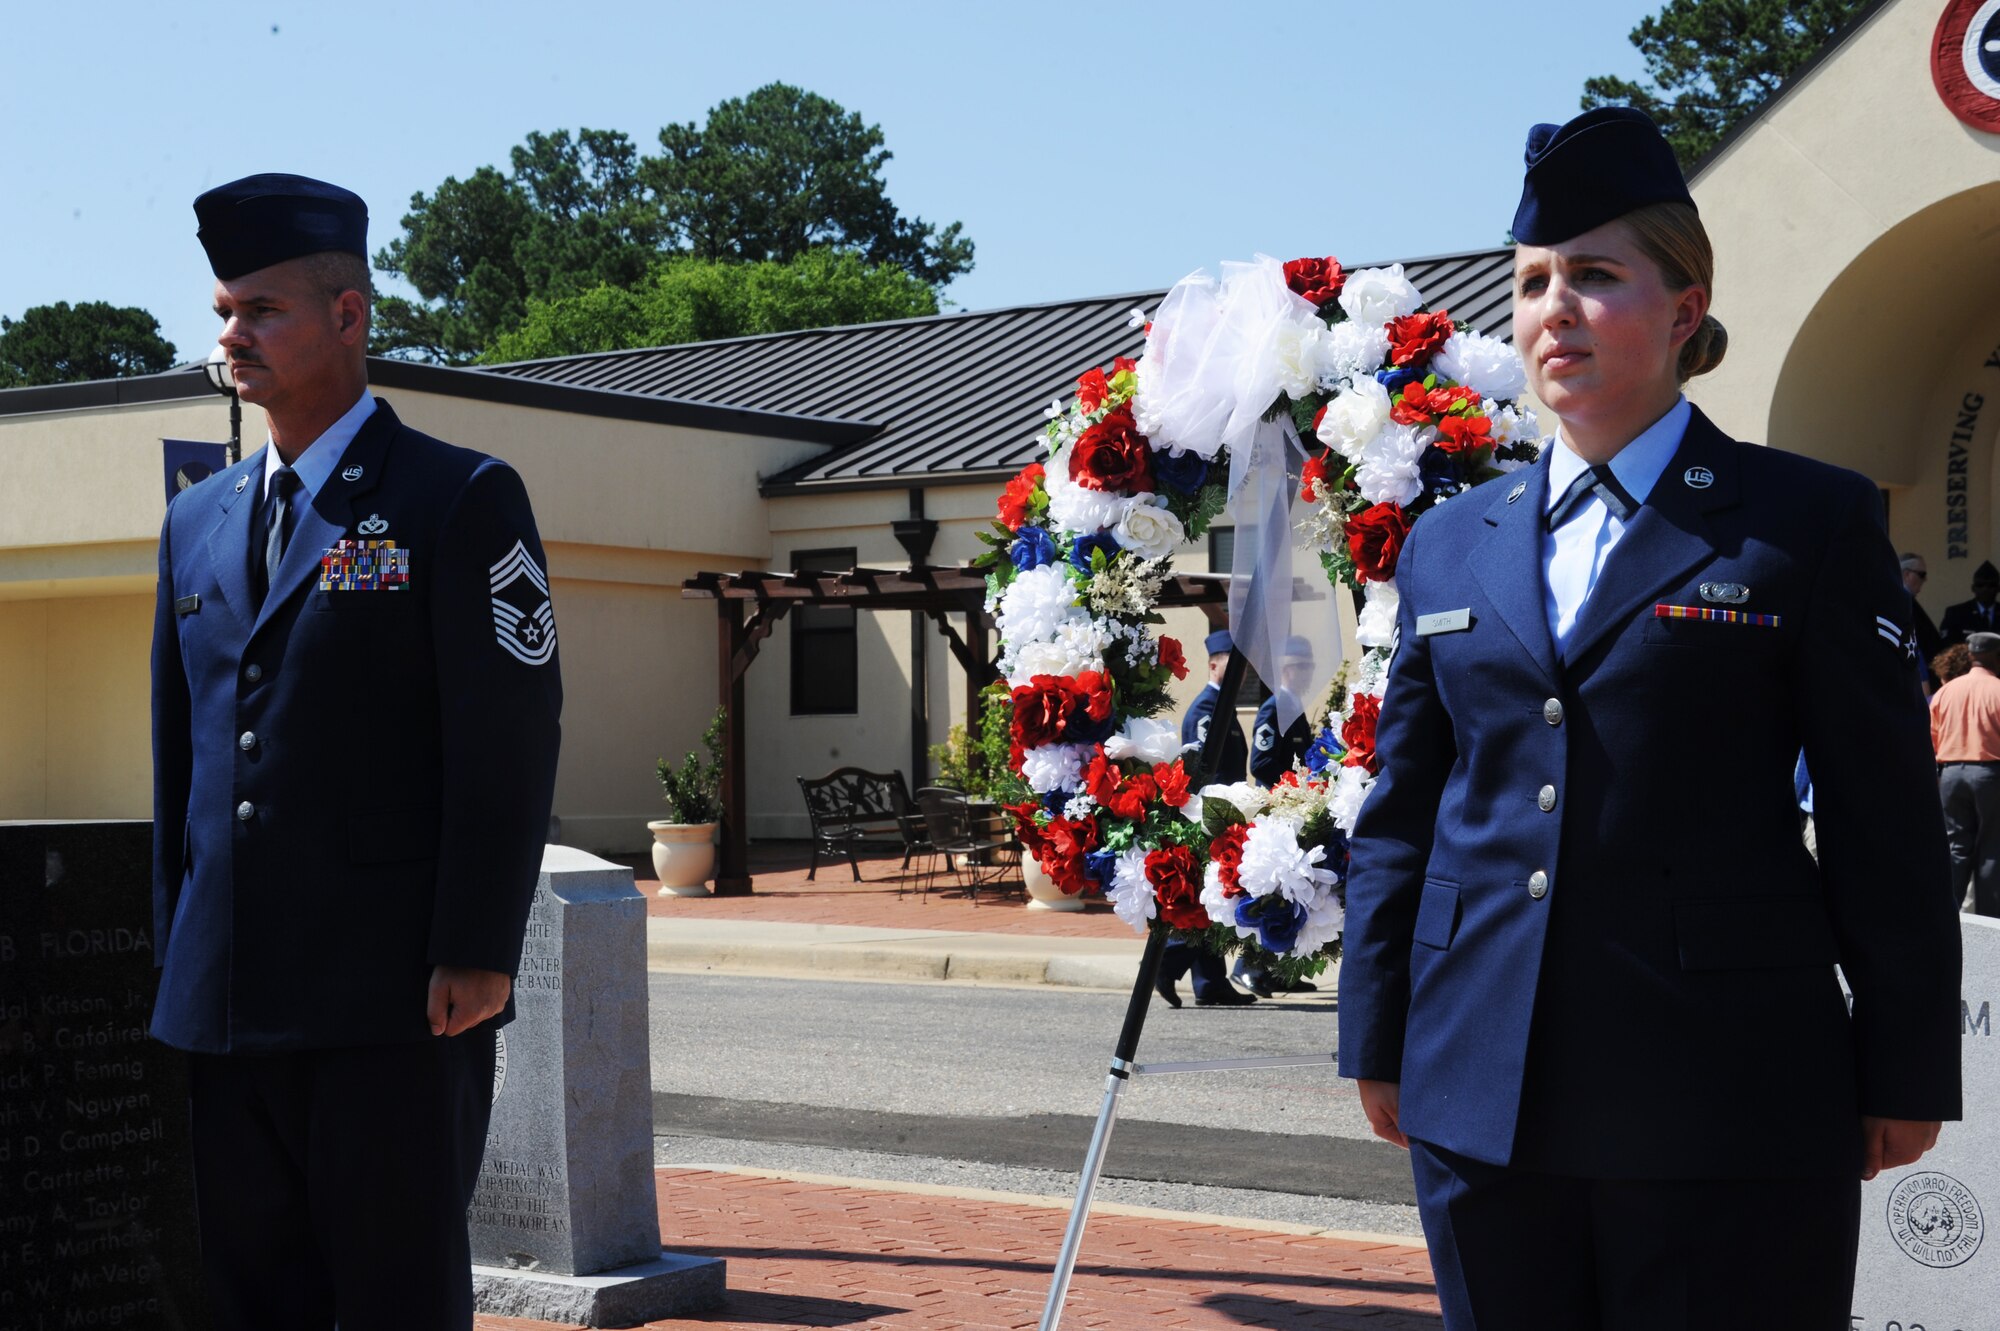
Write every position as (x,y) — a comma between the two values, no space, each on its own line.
(189,461)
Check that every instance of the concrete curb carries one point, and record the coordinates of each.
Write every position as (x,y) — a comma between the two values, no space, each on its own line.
(769,948)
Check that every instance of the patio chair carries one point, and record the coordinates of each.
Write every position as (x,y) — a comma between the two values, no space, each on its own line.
(973,856)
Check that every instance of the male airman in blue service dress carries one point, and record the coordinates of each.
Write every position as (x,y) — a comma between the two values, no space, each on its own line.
(1273,754)
(1589,966)
(355,721)
(1211,979)
(1981,614)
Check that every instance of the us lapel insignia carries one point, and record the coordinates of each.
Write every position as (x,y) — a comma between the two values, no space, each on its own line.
(241,481)
(372,525)
(1698,478)
(1517,492)
(351,473)
(1724,593)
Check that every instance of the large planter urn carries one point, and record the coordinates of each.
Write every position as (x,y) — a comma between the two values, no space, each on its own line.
(683,857)
(1043,894)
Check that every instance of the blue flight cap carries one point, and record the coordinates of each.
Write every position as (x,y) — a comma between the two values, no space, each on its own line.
(1297,648)
(1598,167)
(1219,642)
(257,221)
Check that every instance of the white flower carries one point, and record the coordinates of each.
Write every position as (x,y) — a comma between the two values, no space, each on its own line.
(1374,672)
(1484,364)
(1079,808)
(1377,295)
(1248,797)
(1378,616)
(1130,894)
(1077,508)
(1150,531)
(1221,907)
(1389,471)
(1148,740)
(1301,348)
(1136,319)
(1345,796)
(1515,425)
(1275,862)
(1353,349)
(1324,921)
(1055,767)
(1037,603)
(1354,417)
(1053,410)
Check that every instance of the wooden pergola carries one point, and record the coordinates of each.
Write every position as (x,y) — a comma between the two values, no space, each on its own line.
(749,605)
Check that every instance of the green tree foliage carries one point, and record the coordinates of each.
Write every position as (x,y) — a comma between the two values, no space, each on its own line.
(689,299)
(64,343)
(782,171)
(1713,62)
(566,247)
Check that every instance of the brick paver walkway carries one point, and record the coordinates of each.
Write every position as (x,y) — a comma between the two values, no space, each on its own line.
(819,1254)
(782,893)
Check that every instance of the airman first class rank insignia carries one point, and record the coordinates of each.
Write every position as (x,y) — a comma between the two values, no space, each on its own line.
(365,566)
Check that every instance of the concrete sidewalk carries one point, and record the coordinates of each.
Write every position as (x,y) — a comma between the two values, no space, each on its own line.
(693,943)
(806,1251)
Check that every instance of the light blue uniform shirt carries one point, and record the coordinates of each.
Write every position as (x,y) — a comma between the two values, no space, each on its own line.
(1574,555)
(323,454)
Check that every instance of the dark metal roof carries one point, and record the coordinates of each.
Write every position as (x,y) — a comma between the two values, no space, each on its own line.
(953,397)
(928,586)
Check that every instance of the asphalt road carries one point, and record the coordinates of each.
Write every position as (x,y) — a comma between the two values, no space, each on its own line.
(999,1088)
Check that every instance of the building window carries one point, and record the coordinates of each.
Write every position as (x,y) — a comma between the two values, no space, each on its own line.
(825,669)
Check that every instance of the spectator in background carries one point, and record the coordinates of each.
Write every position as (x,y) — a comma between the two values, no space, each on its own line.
(1929,641)
(1965,730)
(1979,615)
(1949,664)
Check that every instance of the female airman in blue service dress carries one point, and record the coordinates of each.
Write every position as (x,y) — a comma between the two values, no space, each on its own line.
(1588,974)
(356,709)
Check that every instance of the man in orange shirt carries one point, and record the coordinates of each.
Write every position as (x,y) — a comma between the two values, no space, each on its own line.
(1965,729)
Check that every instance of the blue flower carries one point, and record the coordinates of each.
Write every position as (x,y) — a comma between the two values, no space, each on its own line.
(1276,920)
(1054,802)
(1079,554)
(1100,864)
(1185,473)
(1393,380)
(1080,728)
(1032,548)
(1324,750)
(1438,471)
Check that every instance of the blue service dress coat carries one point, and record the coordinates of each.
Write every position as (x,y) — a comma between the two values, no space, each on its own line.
(352,783)
(1234,763)
(1582,931)
(1273,754)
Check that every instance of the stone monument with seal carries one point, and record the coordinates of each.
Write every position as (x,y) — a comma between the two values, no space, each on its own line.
(1926,1259)
(565,1221)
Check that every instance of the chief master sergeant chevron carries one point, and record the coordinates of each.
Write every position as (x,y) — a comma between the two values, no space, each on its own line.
(356,708)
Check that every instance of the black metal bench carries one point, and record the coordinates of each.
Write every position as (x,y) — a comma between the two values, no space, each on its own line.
(851,808)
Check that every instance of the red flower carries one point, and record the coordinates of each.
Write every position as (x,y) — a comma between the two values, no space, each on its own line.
(1318,280)
(1357,732)
(1176,881)
(1375,538)
(1414,338)
(1091,689)
(1041,710)
(1064,845)
(1312,476)
(1020,492)
(1226,853)
(1458,433)
(1173,658)
(1121,796)
(1411,406)
(1090,390)
(1122,364)
(1113,455)
(1172,780)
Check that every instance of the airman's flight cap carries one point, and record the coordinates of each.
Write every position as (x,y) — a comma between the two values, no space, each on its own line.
(1598,167)
(1298,650)
(260,220)
(1219,642)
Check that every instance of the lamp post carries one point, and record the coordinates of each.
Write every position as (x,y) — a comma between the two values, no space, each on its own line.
(222,381)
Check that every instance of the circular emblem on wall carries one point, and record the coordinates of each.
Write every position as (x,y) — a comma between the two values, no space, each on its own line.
(499,1063)
(1935,1219)
(1965,62)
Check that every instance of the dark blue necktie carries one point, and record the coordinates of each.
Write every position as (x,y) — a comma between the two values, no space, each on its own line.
(1599,481)
(279,519)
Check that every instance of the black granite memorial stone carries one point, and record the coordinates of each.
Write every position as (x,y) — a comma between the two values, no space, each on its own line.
(96,1188)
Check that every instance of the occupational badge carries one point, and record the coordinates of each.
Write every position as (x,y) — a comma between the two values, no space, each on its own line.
(524,623)
(372,525)
(1724,593)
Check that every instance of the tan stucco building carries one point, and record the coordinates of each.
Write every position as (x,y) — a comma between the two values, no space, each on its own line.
(1857,229)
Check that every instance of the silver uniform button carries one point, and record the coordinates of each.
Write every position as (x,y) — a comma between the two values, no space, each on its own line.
(1538,885)
(244,810)
(1546,799)
(1552,711)
(253,672)
(247,740)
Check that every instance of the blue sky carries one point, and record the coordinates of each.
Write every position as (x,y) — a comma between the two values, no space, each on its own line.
(1088,149)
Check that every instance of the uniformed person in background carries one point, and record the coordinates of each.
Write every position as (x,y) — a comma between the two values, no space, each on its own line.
(1211,978)
(1979,615)
(1588,974)
(1271,756)
(355,723)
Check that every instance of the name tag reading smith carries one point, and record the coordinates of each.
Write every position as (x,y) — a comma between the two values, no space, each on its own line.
(1444,621)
